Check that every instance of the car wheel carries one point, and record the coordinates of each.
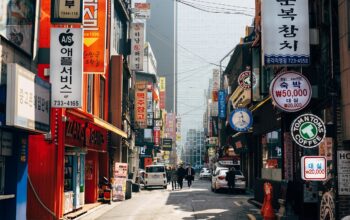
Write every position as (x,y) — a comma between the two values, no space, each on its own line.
(145,187)
(165,187)
(243,191)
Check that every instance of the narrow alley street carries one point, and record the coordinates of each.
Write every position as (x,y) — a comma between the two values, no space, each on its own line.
(197,202)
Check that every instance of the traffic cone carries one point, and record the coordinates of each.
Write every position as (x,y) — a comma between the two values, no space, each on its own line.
(269,213)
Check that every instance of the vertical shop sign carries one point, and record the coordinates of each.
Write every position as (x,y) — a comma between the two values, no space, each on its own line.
(94,24)
(156,136)
(162,88)
(140,102)
(149,109)
(285,32)
(66,65)
(17,19)
(343,165)
(222,104)
(137,46)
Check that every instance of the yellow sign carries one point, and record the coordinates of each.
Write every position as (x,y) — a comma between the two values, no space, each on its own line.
(162,84)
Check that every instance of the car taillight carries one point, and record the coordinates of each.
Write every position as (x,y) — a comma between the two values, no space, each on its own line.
(221,177)
(146,175)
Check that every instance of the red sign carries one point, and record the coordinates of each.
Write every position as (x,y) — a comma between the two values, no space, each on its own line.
(156,136)
(162,99)
(141,104)
(94,36)
(82,133)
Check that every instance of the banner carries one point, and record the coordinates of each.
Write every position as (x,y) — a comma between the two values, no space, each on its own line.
(119,181)
(140,104)
(94,24)
(285,32)
(66,65)
(137,46)
(222,104)
(162,88)
(156,136)
(167,144)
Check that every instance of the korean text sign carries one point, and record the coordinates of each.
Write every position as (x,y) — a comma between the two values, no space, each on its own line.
(66,67)
(141,104)
(285,32)
(314,168)
(137,46)
(94,23)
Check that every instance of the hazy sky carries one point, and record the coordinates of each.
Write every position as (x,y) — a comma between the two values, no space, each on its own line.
(205,38)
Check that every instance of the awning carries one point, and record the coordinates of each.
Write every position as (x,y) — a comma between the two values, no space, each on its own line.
(110,127)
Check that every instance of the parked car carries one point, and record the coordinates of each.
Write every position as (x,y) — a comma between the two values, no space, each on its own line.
(155,175)
(205,173)
(218,180)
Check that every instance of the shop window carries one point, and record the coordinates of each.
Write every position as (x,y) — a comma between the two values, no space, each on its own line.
(272,155)
(266,78)
(2,175)
(68,173)
(102,96)
(90,93)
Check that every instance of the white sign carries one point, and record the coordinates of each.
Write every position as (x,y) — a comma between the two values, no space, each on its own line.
(343,158)
(142,10)
(308,130)
(28,99)
(291,91)
(285,32)
(314,168)
(137,46)
(66,67)
(216,80)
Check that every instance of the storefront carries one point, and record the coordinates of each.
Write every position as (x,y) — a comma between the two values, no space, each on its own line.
(85,161)
(27,99)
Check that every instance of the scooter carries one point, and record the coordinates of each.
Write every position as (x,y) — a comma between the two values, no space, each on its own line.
(105,189)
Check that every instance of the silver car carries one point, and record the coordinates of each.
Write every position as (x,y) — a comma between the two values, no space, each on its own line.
(218,180)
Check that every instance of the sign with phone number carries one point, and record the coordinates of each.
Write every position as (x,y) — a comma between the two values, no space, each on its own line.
(291,91)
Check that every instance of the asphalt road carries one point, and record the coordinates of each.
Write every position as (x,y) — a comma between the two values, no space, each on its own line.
(197,202)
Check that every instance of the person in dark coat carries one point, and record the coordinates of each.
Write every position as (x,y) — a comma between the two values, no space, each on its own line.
(230,178)
(181,172)
(190,175)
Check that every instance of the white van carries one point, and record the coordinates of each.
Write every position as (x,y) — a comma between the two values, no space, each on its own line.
(155,175)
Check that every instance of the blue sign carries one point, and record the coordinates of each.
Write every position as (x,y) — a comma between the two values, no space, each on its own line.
(241,119)
(222,104)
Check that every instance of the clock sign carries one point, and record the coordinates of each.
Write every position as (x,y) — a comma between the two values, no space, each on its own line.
(241,119)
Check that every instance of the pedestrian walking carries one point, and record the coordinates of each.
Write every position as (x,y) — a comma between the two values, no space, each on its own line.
(168,174)
(190,175)
(173,178)
(230,178)
(181,172)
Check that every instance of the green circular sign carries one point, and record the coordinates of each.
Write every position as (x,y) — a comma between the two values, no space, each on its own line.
(308,130)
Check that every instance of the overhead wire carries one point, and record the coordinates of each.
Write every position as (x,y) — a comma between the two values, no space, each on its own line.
(213,10)
(233,9)
(216,3)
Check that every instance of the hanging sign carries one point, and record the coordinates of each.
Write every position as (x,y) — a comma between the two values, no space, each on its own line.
(343,167)
(137,46)
(244,80)
(142,10)
(314,168)
(291,91)
(285,32)
(67,11)
(66,67)
(241,119)
(222,104)
(308,130)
